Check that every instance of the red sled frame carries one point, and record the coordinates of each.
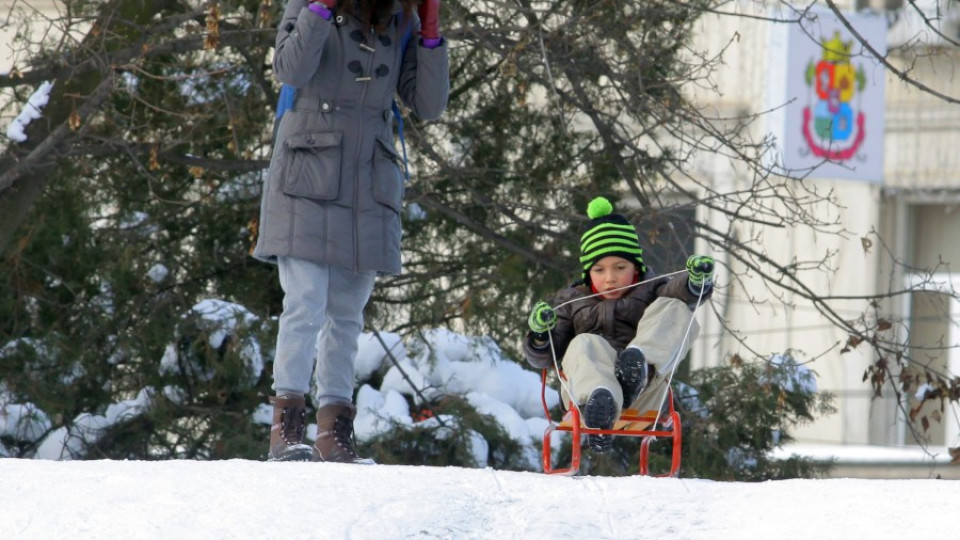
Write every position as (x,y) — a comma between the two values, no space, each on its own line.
(631,423)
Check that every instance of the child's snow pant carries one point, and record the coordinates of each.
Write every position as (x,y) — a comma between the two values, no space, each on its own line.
(589,361)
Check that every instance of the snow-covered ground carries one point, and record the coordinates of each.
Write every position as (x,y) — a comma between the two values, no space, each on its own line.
(868,454)
(47,499)
(244,499)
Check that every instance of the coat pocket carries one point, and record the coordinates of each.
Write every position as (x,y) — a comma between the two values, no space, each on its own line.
(313,165)
(387,180)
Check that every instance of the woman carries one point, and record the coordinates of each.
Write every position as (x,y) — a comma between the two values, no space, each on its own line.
(330,212)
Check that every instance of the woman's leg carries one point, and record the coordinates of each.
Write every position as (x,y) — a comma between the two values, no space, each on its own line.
(336,364)
(305,285)
(337,342)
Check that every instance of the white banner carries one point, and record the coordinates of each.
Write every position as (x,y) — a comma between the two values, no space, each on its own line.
(827,93)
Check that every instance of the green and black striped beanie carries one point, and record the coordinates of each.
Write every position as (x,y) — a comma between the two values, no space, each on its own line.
(608,234)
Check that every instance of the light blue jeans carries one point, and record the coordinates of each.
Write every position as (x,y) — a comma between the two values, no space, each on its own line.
(321,321)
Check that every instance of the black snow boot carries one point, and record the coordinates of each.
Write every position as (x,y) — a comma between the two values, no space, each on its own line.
(600,413)
(631,372)
(286,433)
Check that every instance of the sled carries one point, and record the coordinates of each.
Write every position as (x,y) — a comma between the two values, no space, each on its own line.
(632,423)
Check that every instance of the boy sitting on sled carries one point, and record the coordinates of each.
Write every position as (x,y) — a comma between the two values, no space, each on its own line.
(620,327)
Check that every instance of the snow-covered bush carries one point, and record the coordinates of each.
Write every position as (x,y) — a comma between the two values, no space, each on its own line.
(214,339)
(432,398)
(734,414)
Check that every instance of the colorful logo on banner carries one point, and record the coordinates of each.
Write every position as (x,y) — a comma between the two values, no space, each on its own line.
(833,127)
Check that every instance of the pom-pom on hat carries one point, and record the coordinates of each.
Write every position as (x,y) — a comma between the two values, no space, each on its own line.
(607,235)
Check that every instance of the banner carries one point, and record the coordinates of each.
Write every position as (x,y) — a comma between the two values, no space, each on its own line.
(826,91)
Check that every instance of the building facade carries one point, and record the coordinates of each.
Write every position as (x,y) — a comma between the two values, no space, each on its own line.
(897,258)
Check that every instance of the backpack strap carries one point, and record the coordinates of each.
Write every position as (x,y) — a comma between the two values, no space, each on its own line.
(288,95)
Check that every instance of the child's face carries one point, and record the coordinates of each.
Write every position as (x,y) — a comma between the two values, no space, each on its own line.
(612,273)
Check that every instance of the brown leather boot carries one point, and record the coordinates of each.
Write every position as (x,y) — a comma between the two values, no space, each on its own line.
(286,434)
(335,435)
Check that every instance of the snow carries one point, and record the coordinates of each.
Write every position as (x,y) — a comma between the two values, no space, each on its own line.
(867,454)
(22,421)
(55,497)
(158,273)
(415,212)
(245,499)
(30,112)
(66,443)
(371,353)
(225,317)
(220,320)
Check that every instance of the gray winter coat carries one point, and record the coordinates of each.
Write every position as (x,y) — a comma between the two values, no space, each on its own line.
(334,189)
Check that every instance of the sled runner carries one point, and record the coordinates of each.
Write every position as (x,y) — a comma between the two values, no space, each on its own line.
(632,423)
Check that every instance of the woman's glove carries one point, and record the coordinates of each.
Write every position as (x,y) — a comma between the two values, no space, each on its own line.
(543,318)
(429,12)
(700,270)
(323,8)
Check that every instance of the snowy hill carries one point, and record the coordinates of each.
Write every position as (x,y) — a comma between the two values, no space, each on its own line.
(244,499)
(179,499)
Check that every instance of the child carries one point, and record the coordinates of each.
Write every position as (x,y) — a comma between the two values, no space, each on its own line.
(614,339)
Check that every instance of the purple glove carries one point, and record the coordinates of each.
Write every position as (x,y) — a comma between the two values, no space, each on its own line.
(323,8)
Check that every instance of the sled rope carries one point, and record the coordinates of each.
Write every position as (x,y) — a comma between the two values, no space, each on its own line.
(676,358)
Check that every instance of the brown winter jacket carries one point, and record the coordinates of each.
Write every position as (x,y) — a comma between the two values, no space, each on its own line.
(614,320)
